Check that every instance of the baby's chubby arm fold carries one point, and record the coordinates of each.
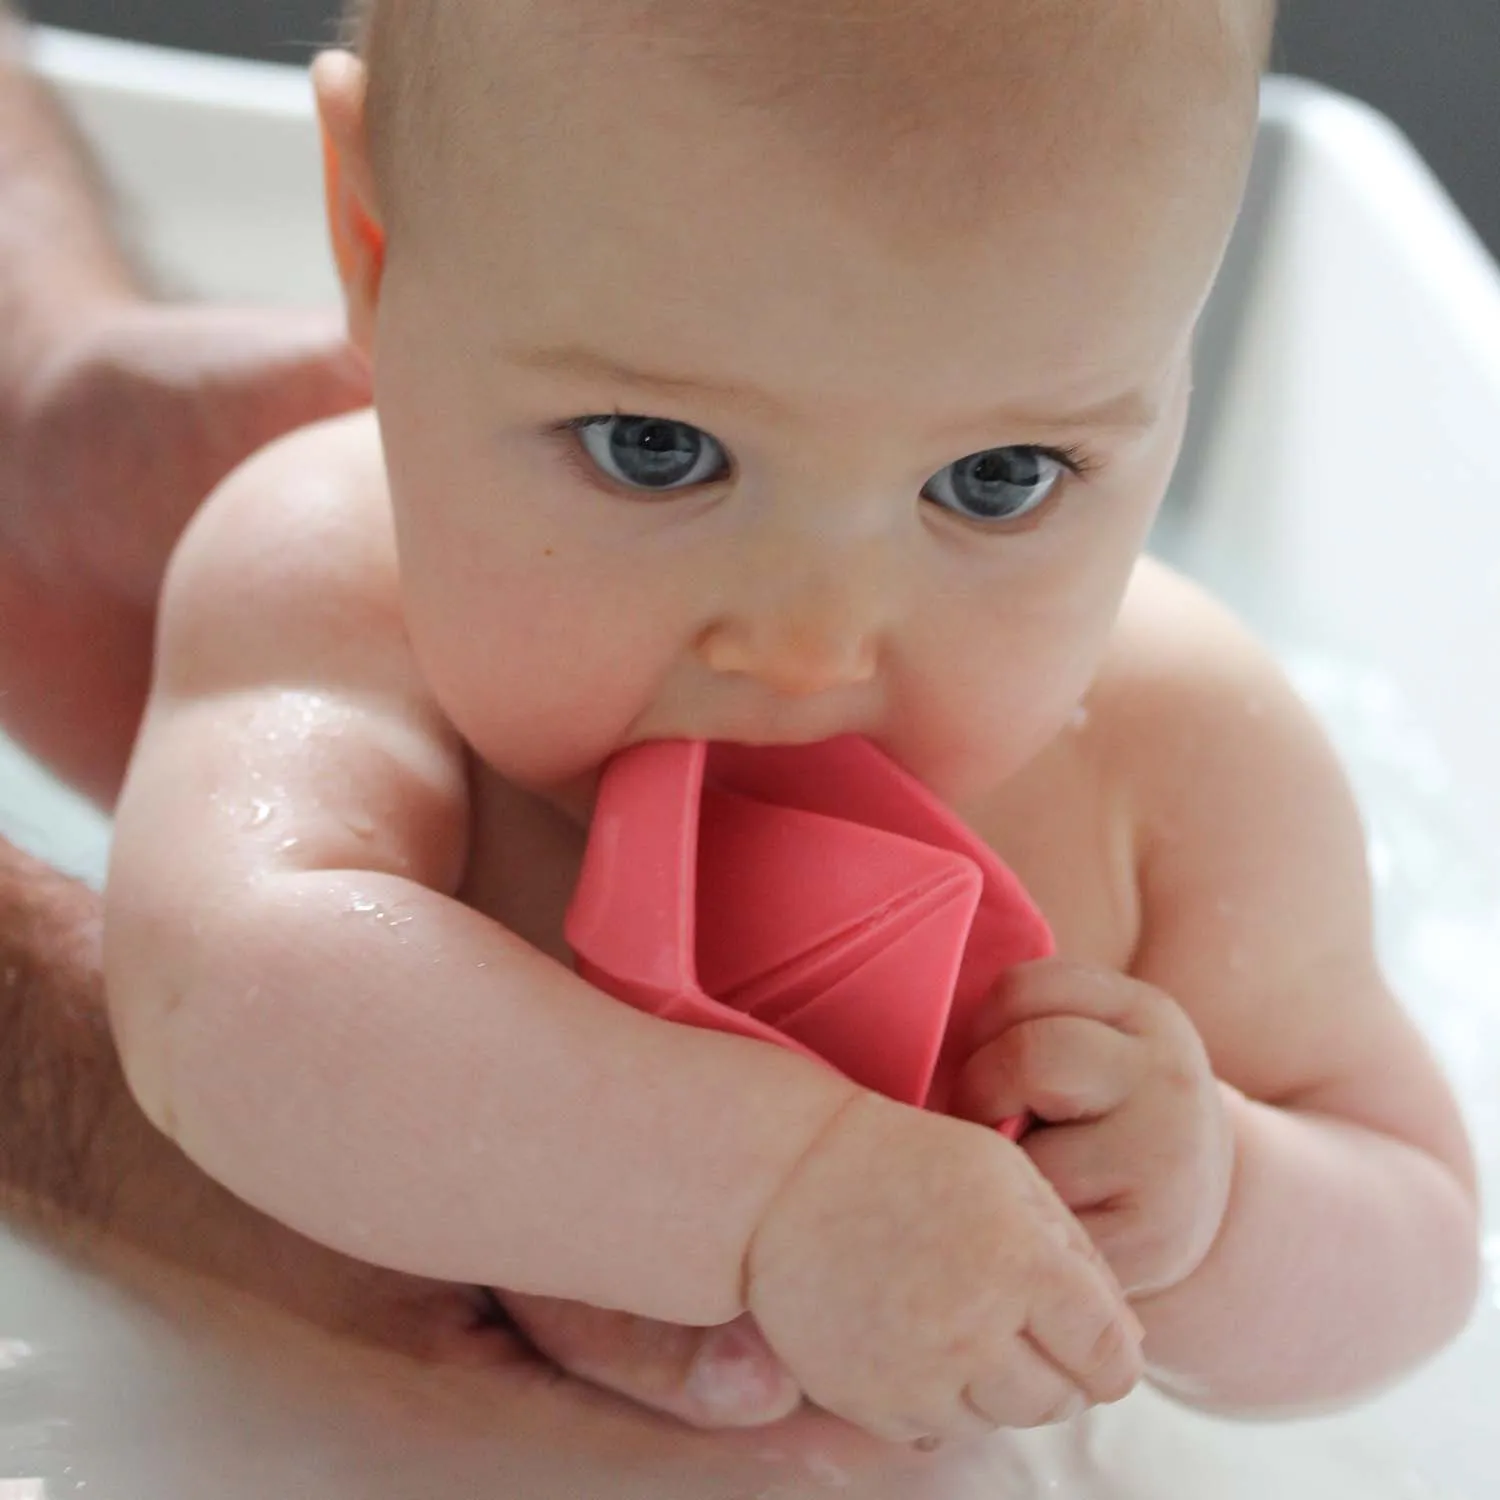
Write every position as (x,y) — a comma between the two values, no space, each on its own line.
(304,1006)
(1348,1251)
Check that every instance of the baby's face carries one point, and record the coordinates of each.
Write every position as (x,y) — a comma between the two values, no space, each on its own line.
(696,432)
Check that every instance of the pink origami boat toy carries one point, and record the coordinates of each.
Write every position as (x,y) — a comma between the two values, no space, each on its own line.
(812,896)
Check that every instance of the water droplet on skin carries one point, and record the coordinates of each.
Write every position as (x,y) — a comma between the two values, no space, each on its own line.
(360,826)
(381,915)
(1079,719)
(287,845)
(260,813)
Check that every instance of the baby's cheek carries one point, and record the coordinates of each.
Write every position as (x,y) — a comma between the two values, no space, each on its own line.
(966,741)
(540,712)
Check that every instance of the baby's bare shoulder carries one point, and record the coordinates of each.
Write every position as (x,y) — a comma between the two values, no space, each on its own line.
(1248,850)
(1183,690)
(1184,679)
(312,508)
(1224,774)
(293,558)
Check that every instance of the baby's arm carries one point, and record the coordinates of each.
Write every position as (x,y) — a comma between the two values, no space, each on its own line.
(1349,1247)
(306,1008)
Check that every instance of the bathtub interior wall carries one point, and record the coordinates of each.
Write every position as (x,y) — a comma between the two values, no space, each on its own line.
(1342,482)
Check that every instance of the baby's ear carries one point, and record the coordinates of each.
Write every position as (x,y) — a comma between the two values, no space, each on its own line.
(340,81)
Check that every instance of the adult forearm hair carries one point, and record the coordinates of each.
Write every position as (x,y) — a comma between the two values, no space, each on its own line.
(61,1087)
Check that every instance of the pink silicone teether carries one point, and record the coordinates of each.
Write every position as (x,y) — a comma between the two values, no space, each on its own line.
(814,896)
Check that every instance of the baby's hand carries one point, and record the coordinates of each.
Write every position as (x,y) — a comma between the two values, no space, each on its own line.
(920,1278)
(1133,1135)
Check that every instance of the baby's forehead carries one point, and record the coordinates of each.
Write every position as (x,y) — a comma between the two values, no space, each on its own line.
(861,83)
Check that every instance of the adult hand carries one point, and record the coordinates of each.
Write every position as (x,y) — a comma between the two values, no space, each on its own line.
(108,446)
(707,1377)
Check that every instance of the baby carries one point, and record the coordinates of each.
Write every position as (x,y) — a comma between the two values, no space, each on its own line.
(770,371)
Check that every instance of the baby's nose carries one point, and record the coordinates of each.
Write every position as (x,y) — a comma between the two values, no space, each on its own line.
(787,657)
(800,637)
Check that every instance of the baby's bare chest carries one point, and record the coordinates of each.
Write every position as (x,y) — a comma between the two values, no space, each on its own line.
(1057,828)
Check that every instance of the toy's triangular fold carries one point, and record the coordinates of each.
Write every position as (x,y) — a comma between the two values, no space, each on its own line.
(786,884)
(814,896)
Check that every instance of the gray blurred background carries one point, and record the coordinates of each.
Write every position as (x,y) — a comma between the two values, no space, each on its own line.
(1433,65)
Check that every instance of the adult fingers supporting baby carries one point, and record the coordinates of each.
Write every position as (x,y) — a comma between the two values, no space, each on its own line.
(707,1377)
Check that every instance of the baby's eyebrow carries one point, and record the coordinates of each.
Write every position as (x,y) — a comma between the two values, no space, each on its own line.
(579,363)
(1130,411)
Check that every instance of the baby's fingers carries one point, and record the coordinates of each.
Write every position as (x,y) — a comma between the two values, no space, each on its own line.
(1081,1323)
(1055,1068)
(1077,1314)
(1030,1392)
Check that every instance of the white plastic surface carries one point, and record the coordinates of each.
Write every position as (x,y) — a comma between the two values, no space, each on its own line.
(1344,485)
(1351,484)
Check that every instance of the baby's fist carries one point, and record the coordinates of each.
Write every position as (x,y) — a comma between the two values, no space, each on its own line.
(920,1279)
(1131,1128)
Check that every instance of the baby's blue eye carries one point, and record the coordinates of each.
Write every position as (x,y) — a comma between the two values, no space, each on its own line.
(1000,484)
(652,453)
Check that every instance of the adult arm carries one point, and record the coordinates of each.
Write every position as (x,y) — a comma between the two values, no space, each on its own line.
(59,263)
(118,414)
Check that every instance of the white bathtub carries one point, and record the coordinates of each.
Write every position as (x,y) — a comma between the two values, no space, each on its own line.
(1342,487)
